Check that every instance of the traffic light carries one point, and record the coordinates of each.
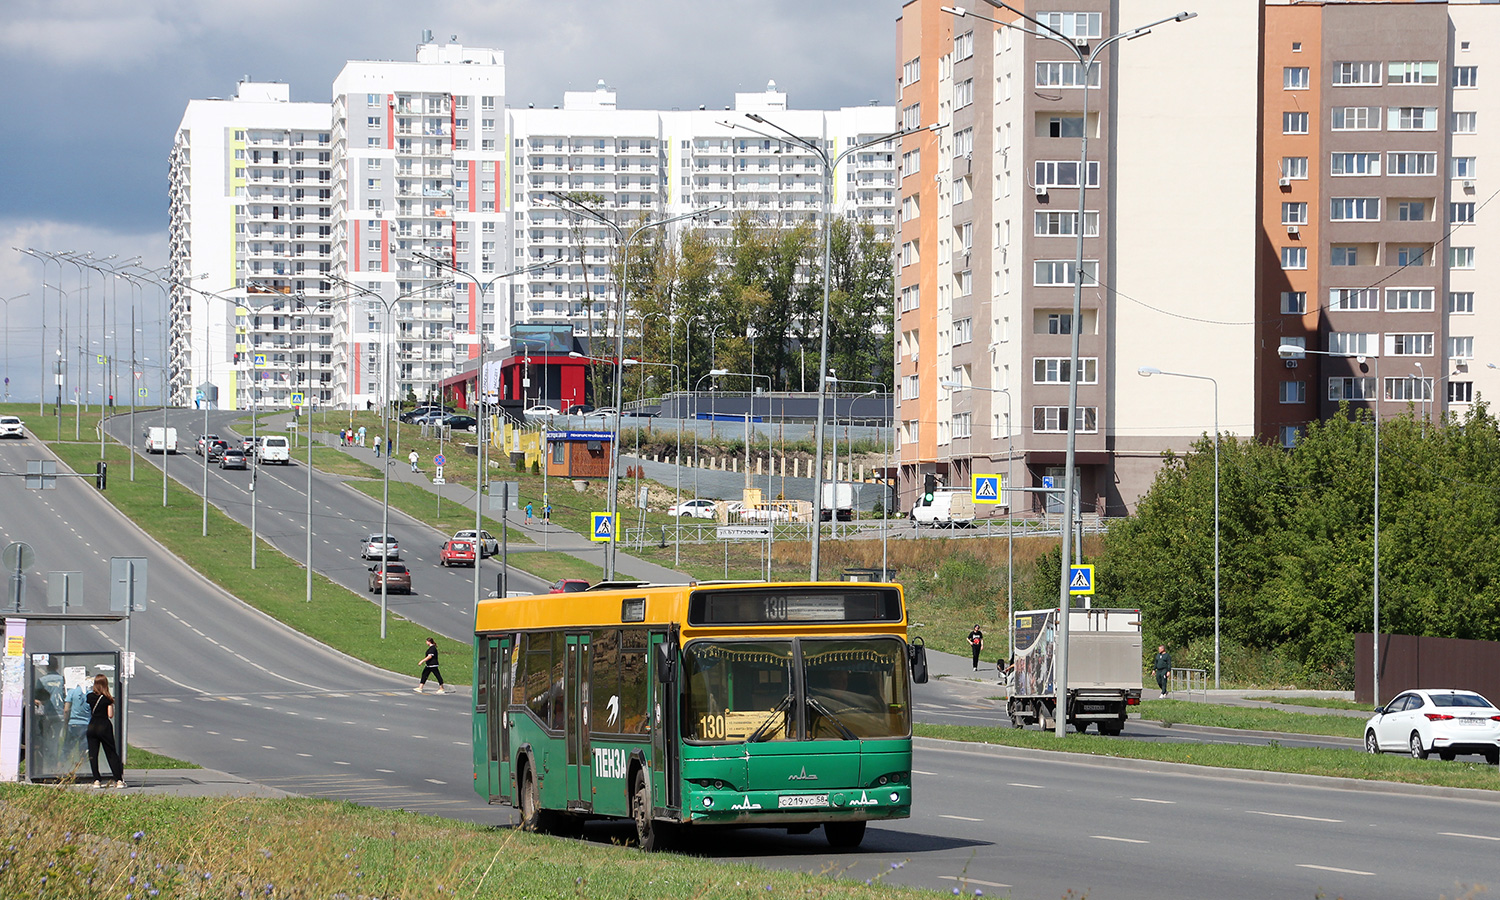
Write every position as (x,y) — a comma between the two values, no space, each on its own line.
(929,487)
(101,474)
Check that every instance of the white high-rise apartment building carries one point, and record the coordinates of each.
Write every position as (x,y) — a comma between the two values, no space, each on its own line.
(670,163)
(251,222)
(320,219)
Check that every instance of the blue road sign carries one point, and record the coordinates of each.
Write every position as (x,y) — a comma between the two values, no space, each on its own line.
(986,489)
(603,528)
(1047,482)
(438,460)
(1080,580)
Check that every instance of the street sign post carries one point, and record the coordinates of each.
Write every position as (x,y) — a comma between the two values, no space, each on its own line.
(17,558)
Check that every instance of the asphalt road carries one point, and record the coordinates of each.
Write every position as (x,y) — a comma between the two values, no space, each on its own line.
(222,684)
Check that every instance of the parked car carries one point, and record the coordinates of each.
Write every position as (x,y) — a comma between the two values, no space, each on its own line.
(10,426)
(457,553)
(580,409)
(203,441)
(1445,722)
(694,509)
(233,458)
(568,585)
(419,412)
(461,423)
(489,545)
(397,578)
(382,546)
(216,450)
(541,411)
(607,412)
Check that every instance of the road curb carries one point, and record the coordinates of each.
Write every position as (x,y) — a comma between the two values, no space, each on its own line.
(1325,782)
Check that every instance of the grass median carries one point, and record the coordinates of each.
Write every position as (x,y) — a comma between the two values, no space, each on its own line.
(1316,702)
(1274,758)
(66,843)
(1250,718)
(336,616)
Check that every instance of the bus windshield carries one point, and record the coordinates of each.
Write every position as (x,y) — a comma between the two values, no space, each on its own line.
(744,691)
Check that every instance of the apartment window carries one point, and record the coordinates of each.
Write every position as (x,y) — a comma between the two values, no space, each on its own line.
(1411,256)
(1461,302)
(373,204)
(963,425)
(461,144)
(1047,272)
(1408,388)
(1356,74)
(372,121)
(1465,122)
(1413,73)
(1356,118)
(1354,209)
(1294,257)
(1353,299)
(1460,257)
(460,103)
(1073,25)
(1294,167)
(1294,213)
(1460,213)
(1408,344)
(486,102)
(1065,126)
(1352,343)
(486,145)
(1063,173)
(1295,78)
(1351,389)
(1294,392)
(1059,323)
(911,162)
(910,297)
(1465,76)
(1411,118)
(1065,74)
(909,253)
(1293,303)
(965,283)
(911,71)
(1355,164)
(1054,419)
(963,331)
(1409,299)
(372,142)
(966,236)
(1294,123)
(911,431)
(963,93)
(1463,167)
(1411,164)
(911,117)
(1048,224)
(1460,348)
(963,142)
(1411,211)
(963,46)
(373,100)
(1460,392)
(1289,436)
(910,385)
(910,208)
(1055,370)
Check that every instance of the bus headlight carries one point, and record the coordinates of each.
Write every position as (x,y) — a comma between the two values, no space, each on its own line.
(708,803)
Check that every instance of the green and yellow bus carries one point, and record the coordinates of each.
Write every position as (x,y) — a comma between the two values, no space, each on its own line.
(723,704)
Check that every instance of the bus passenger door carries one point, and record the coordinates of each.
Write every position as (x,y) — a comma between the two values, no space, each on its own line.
(576,724)
(497,696)
(663,706)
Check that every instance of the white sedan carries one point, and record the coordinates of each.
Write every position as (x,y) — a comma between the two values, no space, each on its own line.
(488,544)
(10,426)
(1445,722)
(542,411)
(694,509)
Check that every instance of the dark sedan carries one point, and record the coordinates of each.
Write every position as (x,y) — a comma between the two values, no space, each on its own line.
(461,423)
(397,578)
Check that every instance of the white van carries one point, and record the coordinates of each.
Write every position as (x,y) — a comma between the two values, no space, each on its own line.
(161,440)
(273,449)
(950,508)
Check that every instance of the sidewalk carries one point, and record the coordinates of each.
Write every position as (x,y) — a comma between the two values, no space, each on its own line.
(556,538)
(190,783)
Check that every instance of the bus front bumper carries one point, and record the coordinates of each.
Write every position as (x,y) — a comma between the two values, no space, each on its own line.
(891,801)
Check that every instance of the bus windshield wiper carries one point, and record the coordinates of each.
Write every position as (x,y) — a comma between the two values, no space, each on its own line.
(827,714)
(758,734)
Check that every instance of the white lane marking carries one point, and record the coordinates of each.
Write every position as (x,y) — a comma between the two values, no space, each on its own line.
(960,818)
(434,781)
(1106,837)
(339,762)
(1333,869)
(387,771)
(993,884)
(267,747)
(1256,812)
(1020,784)
(238,740)
(920,772)
(307,755)
(1477,837)
(1151,800)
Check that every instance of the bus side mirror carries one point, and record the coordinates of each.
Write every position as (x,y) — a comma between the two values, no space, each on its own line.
(666,662)
(916,654)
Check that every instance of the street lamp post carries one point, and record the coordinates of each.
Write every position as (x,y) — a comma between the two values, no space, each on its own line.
(830,164)
(949,384)
(1087,58)
(624,241)
(1292,351)
(1147,372)
(6,301)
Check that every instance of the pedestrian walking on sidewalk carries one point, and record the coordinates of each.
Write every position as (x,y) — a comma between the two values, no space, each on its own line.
(430,669)
(101,732)
(1163,666)
(412,458)
(377,446)
(528,514)
(976,644)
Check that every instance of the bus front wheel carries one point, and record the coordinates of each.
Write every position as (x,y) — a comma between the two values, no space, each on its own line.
(650,835)
(844,835)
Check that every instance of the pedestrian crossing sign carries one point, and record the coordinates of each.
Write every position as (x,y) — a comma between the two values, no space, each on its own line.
(297,398)
(260,360)
(1080,580)
(604,527)
(986,488)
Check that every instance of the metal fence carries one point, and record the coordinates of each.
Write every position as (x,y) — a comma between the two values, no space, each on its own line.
(1188,682)
(708,532)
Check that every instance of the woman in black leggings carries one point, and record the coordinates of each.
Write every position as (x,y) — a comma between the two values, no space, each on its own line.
(101,732)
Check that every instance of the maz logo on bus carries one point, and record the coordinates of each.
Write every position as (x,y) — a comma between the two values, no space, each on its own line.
(609,762)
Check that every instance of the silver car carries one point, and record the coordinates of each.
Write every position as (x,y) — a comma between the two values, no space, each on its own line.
(380,547)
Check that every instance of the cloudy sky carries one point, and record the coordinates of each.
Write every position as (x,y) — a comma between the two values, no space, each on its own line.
(96,88)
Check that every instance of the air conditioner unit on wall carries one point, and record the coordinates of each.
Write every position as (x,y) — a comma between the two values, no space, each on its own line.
(1291,364)
(1285,181)
(1293,231)
(1041,190)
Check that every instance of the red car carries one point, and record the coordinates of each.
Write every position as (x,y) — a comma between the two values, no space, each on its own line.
(568,585)
(458,553)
